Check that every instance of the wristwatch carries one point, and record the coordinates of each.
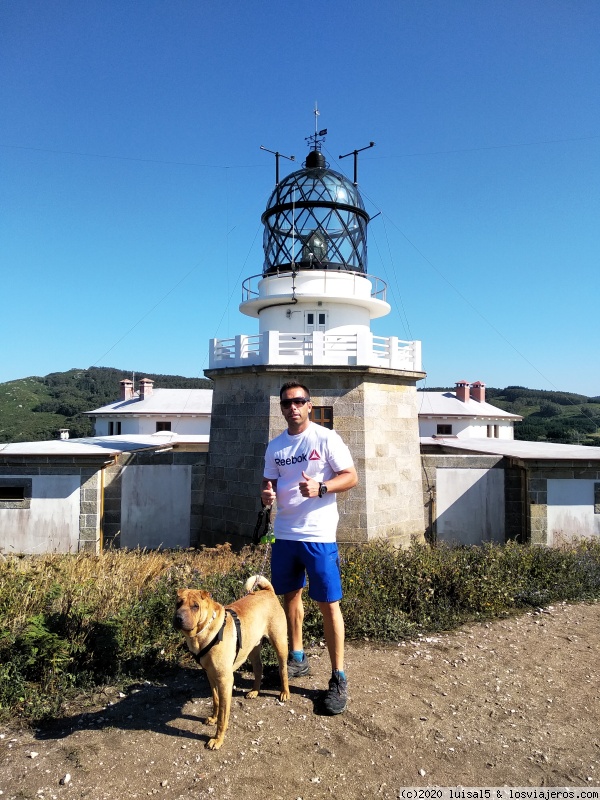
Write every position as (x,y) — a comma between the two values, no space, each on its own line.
(322,490)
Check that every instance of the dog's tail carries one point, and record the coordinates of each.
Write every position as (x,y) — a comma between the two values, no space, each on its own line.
(257,582)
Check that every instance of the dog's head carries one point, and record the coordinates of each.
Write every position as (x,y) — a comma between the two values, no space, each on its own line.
(192,609)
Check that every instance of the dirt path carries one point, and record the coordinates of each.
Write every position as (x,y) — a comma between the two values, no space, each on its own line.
(513,702)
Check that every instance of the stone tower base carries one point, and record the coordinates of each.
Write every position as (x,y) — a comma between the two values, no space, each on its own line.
(375,412)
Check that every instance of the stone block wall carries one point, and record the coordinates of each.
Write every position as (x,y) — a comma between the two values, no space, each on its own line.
(538,475)
(374,411)
(242,422)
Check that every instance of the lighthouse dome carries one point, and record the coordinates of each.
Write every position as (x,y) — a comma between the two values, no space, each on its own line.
(315,219)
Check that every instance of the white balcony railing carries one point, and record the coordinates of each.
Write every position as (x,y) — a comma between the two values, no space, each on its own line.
(318,348)
(322,282)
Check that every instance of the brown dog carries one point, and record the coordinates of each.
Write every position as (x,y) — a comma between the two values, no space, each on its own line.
(222,638)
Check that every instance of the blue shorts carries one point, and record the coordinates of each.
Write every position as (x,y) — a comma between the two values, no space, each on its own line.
(292,560)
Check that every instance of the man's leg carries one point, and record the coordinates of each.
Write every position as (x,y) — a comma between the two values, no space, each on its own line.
(294,611)
(333,628)
(336,697)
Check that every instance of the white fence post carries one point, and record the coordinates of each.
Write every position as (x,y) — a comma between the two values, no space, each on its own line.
(364,348)
(393,353)
(269,348)
(212,360)
(417,356)
(317,340)
(240,342)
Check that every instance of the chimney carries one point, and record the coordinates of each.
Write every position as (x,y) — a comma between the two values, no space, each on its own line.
(462,391)
(126,390)
(146,388)
(478,391)
(63,433)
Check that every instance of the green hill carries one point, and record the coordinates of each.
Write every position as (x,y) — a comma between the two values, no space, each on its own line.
(548,416)
(33,409)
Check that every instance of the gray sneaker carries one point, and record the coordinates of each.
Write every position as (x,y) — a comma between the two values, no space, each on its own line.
(335,698)
(297,668)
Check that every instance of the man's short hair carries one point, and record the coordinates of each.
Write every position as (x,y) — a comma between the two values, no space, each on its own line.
(293,385)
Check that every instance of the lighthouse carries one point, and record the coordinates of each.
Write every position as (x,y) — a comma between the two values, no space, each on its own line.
(314,301)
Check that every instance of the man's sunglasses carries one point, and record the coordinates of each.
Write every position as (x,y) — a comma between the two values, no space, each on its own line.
(296,401)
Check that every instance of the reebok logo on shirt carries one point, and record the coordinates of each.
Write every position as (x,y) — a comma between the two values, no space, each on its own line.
(314,456)
(281,462)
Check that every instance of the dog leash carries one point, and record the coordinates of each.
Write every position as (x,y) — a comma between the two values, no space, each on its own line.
(263,522)
(267,537)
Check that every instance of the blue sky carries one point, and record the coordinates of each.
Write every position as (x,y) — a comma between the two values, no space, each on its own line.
(132,183)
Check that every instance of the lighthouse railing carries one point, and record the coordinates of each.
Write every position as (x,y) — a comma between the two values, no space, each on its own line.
(316,348)
(321,281)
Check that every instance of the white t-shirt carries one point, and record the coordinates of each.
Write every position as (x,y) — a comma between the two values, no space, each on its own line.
(321,454)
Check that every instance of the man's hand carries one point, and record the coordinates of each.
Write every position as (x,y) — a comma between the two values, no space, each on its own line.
(268,494)
(309,487)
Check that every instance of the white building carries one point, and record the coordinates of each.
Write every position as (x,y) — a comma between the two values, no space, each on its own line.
(185,412)
(464,414)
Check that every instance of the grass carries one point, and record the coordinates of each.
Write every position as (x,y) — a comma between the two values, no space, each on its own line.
(70,623)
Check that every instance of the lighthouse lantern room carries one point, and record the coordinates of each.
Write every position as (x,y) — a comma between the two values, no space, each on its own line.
(314,299)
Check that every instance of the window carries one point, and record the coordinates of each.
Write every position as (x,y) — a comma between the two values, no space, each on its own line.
(114,428)
(163,426)
(15,492)
(444,430)
(315,321)
(322,415)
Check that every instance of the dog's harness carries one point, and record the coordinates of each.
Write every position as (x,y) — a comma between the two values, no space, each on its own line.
(219,637)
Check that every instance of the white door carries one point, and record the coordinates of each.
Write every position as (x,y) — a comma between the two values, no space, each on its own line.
(156,506)
(315,321)
(470,505)
(571,510)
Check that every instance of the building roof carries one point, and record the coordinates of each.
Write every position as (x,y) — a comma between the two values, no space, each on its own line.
(101,445)
(516,448)
(162,401)
(447,404)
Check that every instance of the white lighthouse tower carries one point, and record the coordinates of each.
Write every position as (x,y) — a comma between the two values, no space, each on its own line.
(314,301)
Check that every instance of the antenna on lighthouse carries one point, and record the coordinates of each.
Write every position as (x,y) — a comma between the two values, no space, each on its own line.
(355,154)
(277,155)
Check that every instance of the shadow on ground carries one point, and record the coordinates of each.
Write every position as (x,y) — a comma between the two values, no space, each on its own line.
(159,706)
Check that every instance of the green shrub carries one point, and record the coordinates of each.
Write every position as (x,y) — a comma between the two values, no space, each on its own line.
(72,622)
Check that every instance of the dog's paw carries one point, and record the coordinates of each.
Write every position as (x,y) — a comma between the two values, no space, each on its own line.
(210,721)
(214,744)
(284,696)
(252,693)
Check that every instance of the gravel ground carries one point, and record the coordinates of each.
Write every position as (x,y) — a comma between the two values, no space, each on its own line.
(512,702)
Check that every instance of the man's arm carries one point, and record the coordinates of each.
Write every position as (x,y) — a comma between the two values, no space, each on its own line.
(341,482)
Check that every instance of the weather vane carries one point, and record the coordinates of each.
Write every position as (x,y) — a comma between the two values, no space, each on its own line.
(316,140)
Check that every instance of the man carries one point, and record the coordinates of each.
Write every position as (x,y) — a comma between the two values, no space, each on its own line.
(305,467)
